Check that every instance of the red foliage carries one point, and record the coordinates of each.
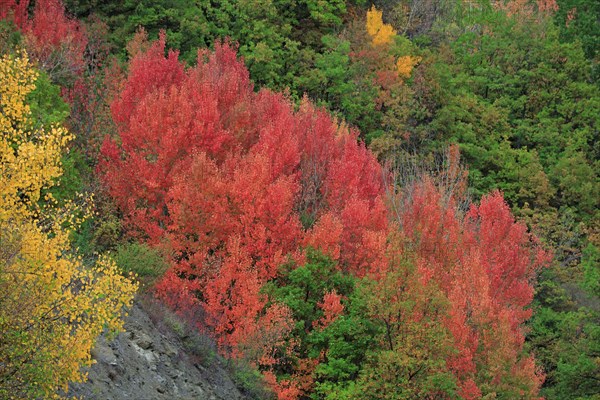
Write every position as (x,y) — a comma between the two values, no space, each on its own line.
(17,10)
(55,40)
(286,389)
(148,72)
(508,254)
(232,298)
(363,236)
(326,236)
(485,263)
(332,308)
(223,176)
(317,140)
(549,6)
(524,10)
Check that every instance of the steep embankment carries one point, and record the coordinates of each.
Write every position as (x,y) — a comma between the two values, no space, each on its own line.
(156,358)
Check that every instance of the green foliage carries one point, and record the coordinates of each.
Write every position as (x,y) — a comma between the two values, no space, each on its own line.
(47,107)
(591,269)
(72,182)
(367,83)
(566,341)
(519,101)
(82,239)
(184,22)
(10,37)
(410,359)
(578,21)
(578,371)
(395,375)
(336,83)
(140,259)
(578,183)
(250,381)
(327,12)
(302,289)
(347,341)
(278,39)
(108,231)
(344,342)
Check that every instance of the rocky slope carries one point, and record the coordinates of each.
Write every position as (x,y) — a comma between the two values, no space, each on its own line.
(158,357)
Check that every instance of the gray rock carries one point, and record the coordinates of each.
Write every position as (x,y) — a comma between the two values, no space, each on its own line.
(143,340)
(102,353)
(149,362)
(170,350)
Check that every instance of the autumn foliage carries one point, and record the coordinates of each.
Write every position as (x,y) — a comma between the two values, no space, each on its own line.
(235,184)
(56,41)
(380,32)
(484,263)
(383,34)
(52,307)
(281,235)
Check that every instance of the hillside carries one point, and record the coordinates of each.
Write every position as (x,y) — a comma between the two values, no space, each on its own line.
(156,357)
(300,199)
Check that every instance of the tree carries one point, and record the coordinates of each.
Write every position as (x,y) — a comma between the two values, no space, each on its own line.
(484,263)
(523,106)
(234,183)
(315,294)
(52,307)
(505,110)
(413,346)
(56,41)
(363,75)
(279,40)
(380,32)
(575,21)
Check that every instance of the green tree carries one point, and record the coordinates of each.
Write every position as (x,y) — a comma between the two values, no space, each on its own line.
(577,21)
(278,39)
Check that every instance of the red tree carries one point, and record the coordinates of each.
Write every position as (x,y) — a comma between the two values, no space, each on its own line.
(235,183)
(55,40)
(485,263)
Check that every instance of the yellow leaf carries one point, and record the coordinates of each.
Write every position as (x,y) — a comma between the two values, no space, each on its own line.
(405,65)
(380,32)
(39,281)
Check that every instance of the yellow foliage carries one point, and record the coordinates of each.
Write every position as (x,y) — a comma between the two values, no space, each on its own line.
(52,307)
(405,65)
(380,33)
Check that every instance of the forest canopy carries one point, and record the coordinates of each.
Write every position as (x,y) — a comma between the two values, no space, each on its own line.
(359,200)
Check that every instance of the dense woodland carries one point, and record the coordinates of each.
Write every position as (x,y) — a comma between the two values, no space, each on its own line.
(396,199)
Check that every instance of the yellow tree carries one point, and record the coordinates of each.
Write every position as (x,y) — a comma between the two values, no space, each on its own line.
(405,65)
(380,32)
(52,307)
(384,34)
